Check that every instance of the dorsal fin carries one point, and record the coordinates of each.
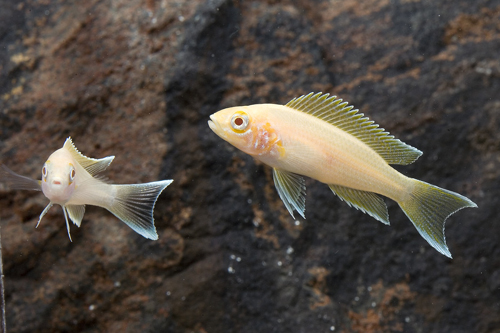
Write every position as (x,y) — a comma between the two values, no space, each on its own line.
(91,165)
(339,114)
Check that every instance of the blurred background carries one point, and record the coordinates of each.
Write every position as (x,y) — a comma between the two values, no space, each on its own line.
(138,79)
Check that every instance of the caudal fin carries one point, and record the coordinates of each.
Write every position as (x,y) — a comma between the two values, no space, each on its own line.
(134,205)
(428,207)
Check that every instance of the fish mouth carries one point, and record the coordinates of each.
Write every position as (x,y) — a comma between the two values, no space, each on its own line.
(214,126)
(211,123)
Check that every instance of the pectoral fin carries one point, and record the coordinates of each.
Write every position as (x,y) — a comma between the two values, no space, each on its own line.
(292,190)
(76,213)
(367,202)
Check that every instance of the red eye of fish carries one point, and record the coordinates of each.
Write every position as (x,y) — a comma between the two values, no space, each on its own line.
(44,171)
(239,121)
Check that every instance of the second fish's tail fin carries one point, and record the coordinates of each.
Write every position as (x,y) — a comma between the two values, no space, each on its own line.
(134,204)
(428,207)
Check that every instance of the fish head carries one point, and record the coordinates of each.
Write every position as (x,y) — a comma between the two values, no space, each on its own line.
(246,128)
(58,177)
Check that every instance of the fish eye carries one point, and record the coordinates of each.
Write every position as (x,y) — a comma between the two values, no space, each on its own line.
(239,121)
(44,171)
(72,173)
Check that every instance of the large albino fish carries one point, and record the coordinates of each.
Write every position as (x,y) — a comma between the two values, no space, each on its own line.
(68,180)
(323,138)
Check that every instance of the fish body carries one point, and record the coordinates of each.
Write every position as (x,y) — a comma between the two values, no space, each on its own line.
(316,149)
(68,179)
(323,138)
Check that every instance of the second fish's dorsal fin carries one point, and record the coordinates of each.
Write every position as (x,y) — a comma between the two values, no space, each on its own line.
(367,202)
(91,165)
(340,114)
(292,190)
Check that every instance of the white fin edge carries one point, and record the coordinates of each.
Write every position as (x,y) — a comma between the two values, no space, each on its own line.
(367,202)
(43,213)
(428,207)
(134,205)
(67,223)
(292,190)
(76,213)
(91,165)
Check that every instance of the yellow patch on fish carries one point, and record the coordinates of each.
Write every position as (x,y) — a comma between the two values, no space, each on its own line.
(68,180)
(326,139)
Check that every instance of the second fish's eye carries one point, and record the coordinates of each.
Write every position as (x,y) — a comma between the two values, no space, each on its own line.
(239,121)
(72,173)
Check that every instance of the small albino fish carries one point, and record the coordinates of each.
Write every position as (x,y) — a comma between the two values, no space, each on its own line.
(68,179)
(323,138)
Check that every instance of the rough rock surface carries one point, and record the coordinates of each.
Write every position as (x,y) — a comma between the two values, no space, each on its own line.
(138,79)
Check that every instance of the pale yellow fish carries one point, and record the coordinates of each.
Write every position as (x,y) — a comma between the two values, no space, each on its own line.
(68,179)
(323,138)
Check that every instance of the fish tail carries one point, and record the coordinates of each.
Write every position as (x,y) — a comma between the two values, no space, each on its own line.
(134,204)
(428,207)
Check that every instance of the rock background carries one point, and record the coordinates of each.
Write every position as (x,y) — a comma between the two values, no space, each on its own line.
(138,79)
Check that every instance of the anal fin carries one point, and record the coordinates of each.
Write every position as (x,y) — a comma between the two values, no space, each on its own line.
(292,190)
(76,213)
(367,202)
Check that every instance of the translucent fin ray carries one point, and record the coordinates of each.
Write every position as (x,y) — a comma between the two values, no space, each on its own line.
(428,207)
(76,213)
(43,214)
(134,205)
(292,190)
(92,165)
(339,114)
(67,223)
(367,202)
(13,181)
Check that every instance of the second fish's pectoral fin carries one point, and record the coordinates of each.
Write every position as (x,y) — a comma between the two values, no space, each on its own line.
(76,213)
(367,202)
(292,190)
